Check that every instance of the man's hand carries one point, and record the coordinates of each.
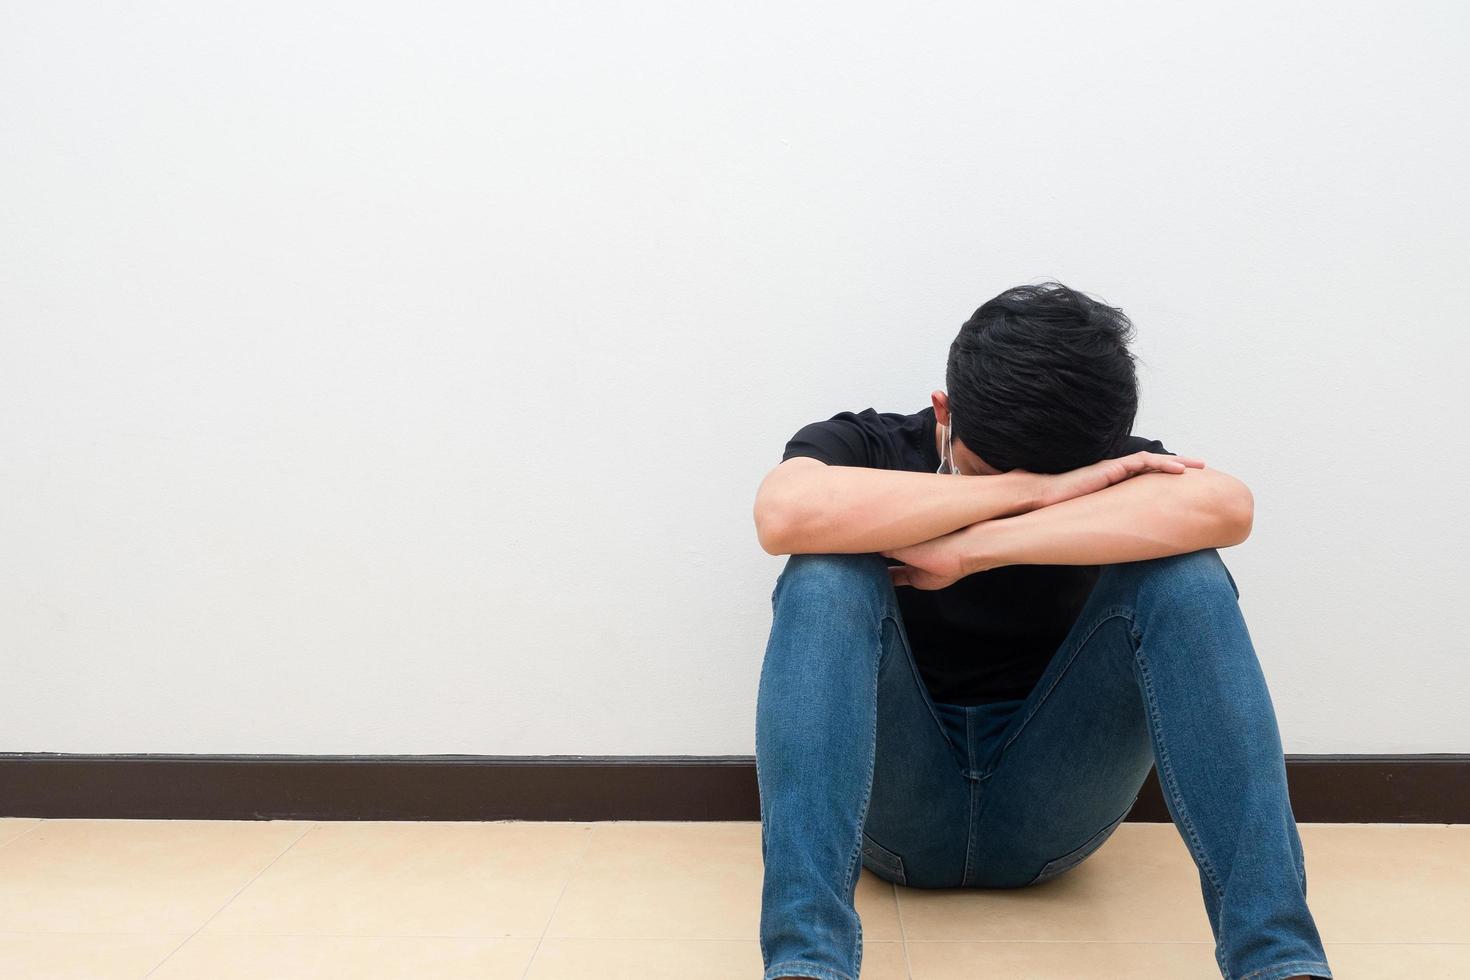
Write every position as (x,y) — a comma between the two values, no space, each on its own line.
(1056,487)
(934,564)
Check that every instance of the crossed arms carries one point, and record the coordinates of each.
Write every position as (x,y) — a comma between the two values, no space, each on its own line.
(945,526)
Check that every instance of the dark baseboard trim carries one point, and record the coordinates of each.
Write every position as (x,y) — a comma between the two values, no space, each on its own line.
(1324,788)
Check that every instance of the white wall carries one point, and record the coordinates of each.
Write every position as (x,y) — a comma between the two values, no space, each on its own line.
(397,378)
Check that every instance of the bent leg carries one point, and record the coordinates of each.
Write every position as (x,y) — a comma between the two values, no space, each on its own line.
(1160,667)
(1220,761)
(836,663)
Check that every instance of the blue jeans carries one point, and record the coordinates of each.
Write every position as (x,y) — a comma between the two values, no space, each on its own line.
(856,762)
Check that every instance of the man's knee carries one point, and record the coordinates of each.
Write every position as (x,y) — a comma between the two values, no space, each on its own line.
(829,578)
(1193,574)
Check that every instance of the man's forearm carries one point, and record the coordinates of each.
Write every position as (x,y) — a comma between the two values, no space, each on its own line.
(1147,516)
(851,509)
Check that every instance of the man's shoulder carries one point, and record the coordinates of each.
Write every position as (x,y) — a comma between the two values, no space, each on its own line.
(865,437)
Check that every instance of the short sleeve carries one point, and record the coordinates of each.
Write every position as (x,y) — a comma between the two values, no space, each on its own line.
(1134,444)
(846,439)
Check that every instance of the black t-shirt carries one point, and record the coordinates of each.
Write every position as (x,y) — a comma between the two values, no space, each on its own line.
(989,636)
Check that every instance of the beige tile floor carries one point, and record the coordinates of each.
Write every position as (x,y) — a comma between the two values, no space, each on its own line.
(171,899)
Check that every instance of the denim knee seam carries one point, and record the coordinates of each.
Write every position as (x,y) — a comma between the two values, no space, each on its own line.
(1169,783)
(1167,778)
(857,845)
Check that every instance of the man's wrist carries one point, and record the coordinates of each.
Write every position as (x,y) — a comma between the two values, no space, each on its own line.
(1028,491)
(979,554)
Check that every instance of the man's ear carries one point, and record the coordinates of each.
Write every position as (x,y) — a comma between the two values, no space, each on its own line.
(941,405)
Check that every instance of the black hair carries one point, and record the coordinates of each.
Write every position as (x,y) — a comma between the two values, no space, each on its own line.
(1041,378)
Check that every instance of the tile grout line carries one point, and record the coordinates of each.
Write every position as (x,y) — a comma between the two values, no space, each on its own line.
(571,873)
(29,830)
(908,965)
(253,878)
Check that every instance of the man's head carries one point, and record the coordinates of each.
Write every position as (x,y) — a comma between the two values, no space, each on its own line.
(1041,379)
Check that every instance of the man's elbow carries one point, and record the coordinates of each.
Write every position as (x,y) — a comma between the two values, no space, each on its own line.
(776,521)
(1237,508)
(770,530)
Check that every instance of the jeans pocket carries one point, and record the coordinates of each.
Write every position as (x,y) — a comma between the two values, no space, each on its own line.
(882,862)
(1073,858)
